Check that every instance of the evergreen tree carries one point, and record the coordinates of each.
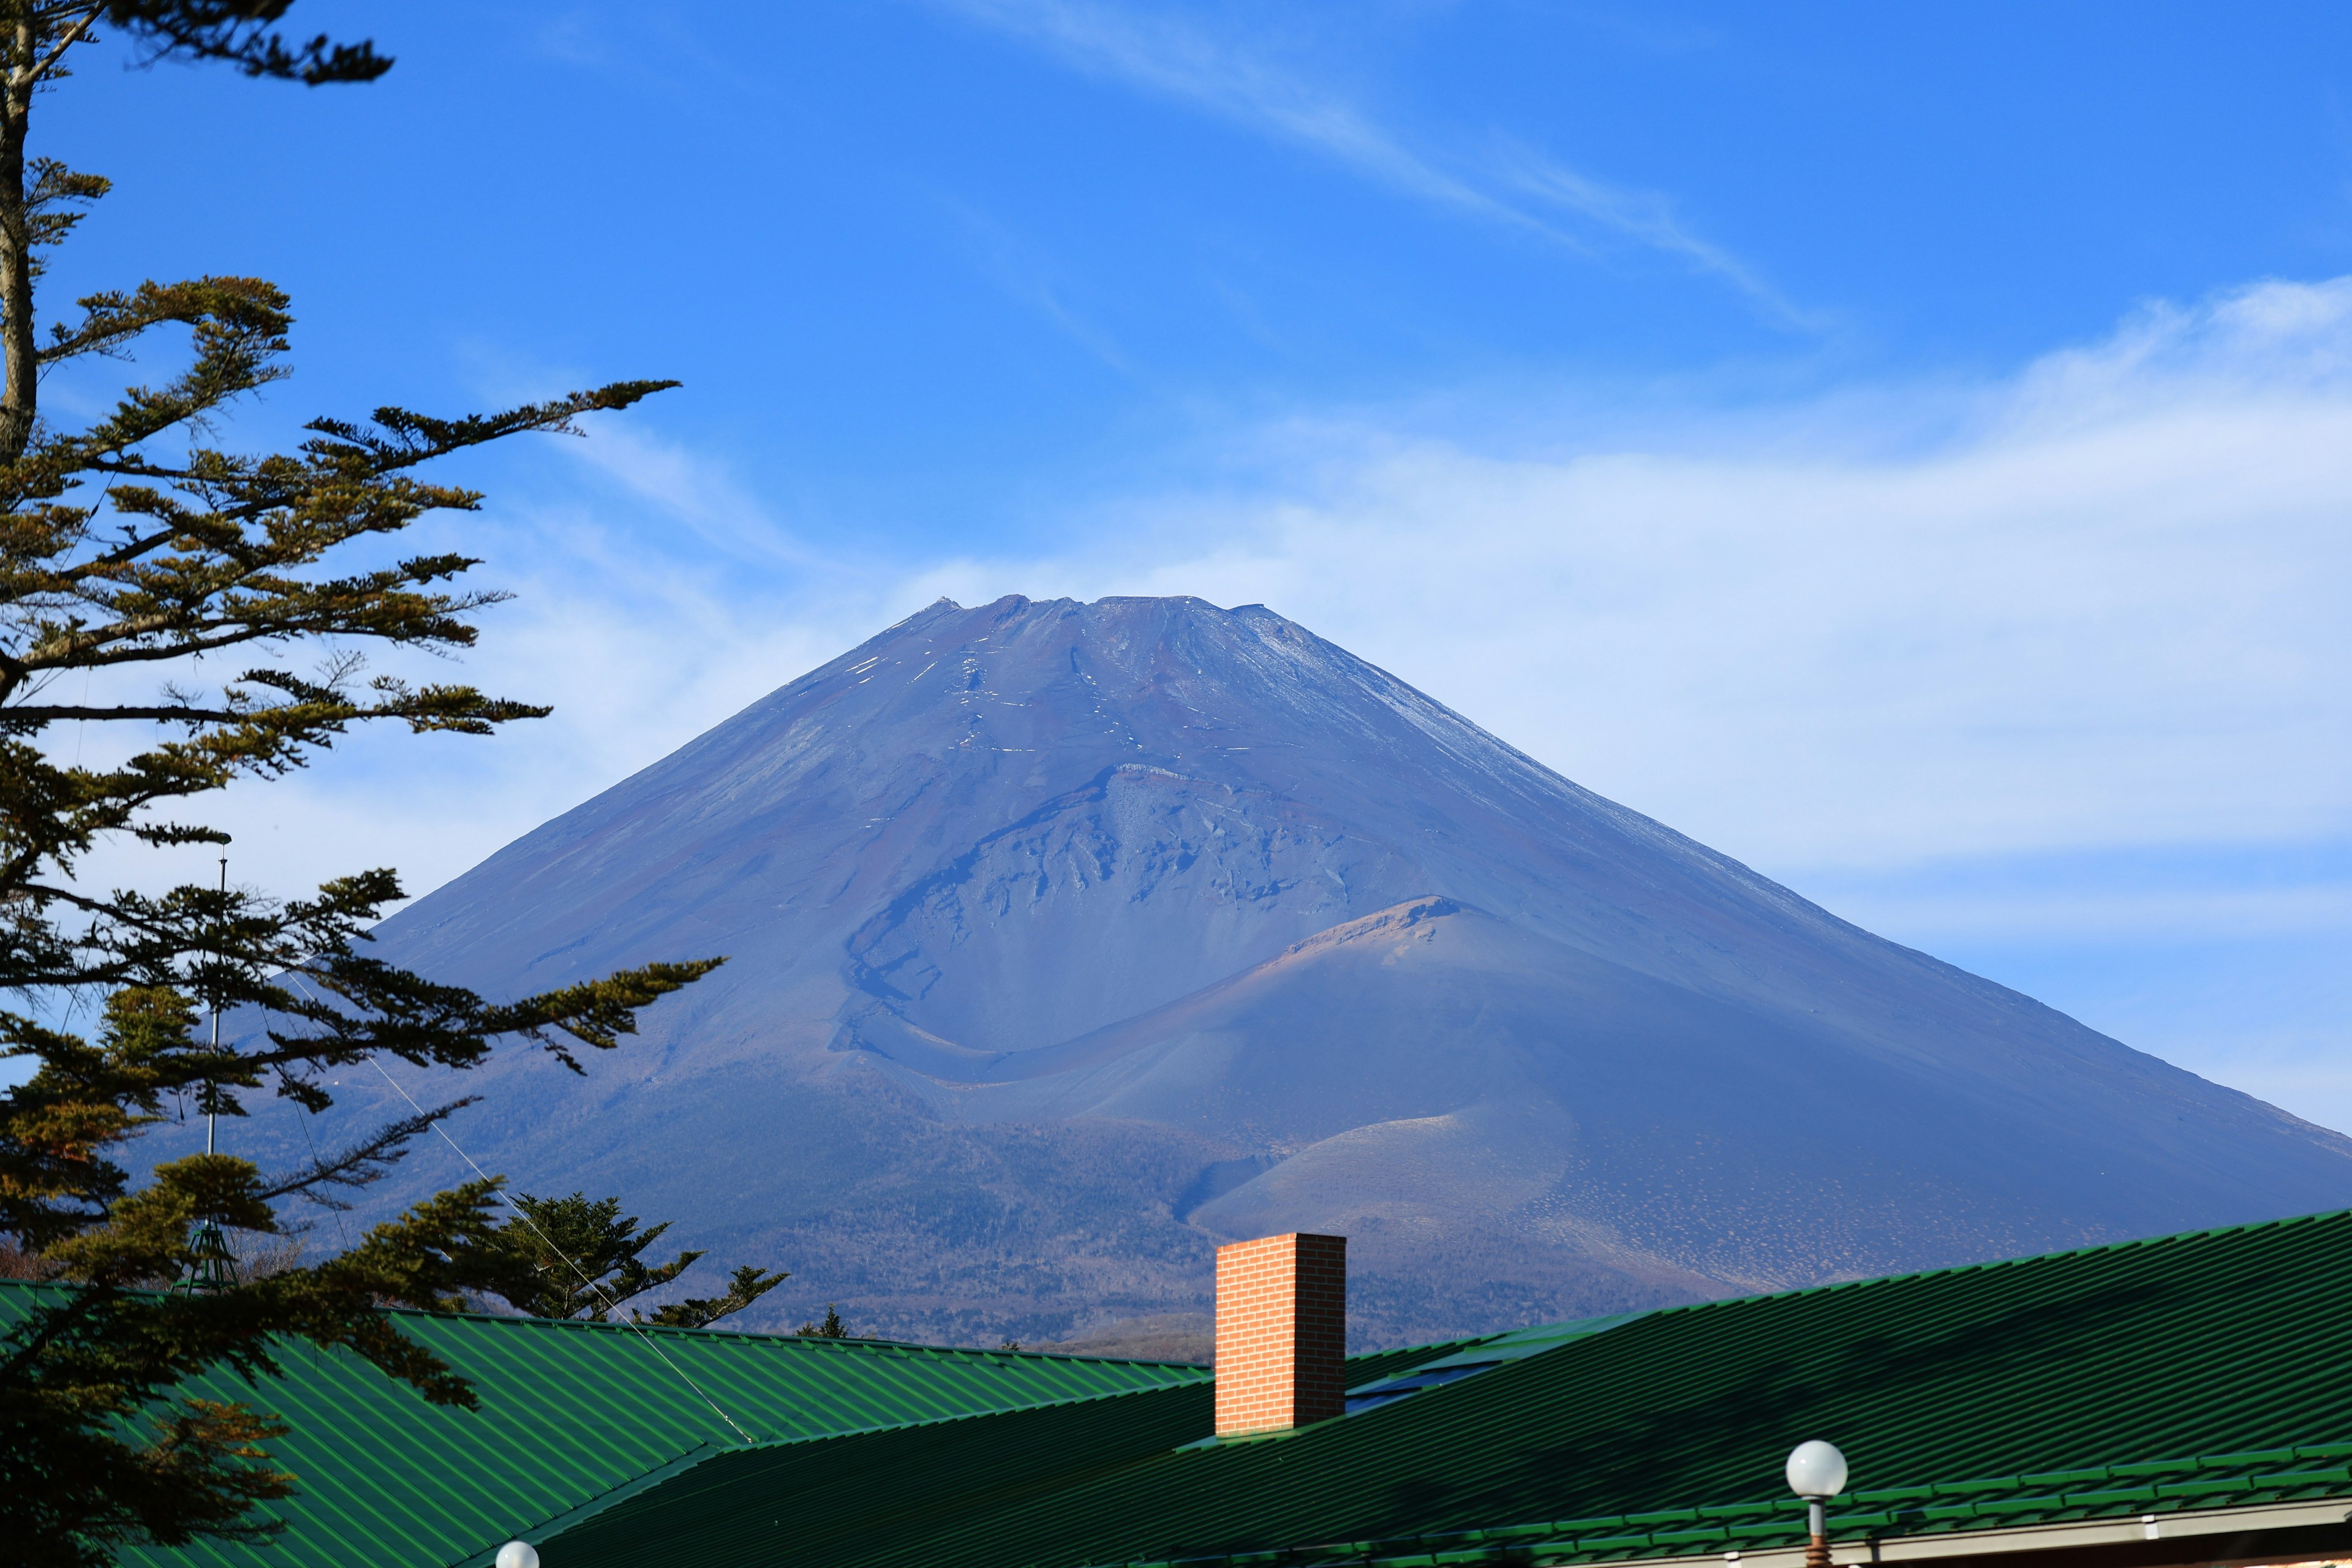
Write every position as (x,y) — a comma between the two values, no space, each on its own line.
(137,558)
(583,1260)
(830,1329)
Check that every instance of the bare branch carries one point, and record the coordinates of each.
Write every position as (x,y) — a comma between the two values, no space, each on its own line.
(65,40)
(362,1164)
(168,714)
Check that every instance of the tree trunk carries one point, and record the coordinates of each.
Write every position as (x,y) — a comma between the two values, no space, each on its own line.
(18,353)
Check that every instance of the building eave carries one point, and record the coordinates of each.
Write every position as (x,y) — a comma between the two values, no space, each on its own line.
(2321,1526)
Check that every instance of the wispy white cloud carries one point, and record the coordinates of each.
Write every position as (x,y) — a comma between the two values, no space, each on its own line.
(694,490)
(2074,915)
(1165,53)
(1029,278)
(655,593)
(2105,611)
(1644,217)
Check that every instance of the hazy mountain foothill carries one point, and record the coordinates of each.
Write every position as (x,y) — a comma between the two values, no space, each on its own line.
(1069,941)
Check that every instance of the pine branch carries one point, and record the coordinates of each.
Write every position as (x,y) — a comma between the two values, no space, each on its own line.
(746,1286)
(234,32)
(362,1164)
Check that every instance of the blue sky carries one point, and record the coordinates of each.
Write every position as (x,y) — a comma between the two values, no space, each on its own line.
(1909,450)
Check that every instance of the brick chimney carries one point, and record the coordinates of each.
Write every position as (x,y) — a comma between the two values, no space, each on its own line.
(1282,1332)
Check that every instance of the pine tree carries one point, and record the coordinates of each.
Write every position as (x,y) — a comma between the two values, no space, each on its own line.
(583,1257)
(136,553)
(830,1329)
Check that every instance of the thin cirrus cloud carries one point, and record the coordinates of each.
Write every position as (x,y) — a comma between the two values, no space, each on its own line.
(1024,275)
(1513,184)
(2102,609)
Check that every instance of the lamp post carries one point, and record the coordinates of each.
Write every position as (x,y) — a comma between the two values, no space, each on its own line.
(1816,1473)
(518,1554)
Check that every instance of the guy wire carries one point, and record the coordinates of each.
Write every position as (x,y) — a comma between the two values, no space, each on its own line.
(609,1305)
(342,1235)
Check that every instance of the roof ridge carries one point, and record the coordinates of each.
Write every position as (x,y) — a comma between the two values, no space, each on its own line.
(1990,1264)
(814,1343)
(768,1443)
(821,1343)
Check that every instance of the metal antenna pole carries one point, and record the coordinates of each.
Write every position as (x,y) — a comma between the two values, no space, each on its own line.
(212,1267)
(212,1115)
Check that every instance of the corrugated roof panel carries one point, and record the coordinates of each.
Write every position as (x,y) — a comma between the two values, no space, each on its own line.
(2220,1342)
(908,1477)
(1379,1366)
(1469,1360)
(574,1412)
(767,1504)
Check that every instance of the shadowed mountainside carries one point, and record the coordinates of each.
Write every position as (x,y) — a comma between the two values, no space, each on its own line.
(1070,940)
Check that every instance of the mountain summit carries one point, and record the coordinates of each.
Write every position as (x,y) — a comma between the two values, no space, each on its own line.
(1069,941)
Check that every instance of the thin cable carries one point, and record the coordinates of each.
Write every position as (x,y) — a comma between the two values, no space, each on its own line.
(309,1115)
(609,1305)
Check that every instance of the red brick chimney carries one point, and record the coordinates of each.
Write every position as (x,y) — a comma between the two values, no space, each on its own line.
(1282,1332)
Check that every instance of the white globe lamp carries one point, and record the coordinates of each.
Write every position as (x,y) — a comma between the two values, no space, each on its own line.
(518,1554)
(1816,1472)
(1816,1469)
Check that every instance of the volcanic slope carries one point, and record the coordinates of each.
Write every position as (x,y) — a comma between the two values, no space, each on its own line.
(1068,941)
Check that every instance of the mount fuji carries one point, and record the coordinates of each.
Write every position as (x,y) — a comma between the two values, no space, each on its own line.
(1068,941)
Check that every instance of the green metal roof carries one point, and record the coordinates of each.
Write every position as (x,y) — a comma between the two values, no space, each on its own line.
(819,1501)
(1454,1363)
(2076,1383)
(574,1413)
(919,1477)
